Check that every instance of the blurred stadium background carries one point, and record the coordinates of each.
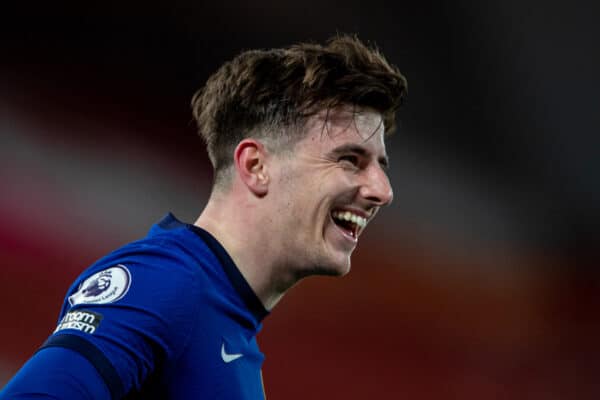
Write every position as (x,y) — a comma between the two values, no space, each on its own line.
(480,281)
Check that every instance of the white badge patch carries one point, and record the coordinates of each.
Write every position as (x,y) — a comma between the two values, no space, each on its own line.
(103,287)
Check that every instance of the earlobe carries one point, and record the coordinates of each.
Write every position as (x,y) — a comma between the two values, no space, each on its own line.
(249,160)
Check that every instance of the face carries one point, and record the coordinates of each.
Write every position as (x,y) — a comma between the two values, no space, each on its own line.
(328,189)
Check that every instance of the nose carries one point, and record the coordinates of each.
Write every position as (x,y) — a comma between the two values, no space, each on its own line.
(377,188)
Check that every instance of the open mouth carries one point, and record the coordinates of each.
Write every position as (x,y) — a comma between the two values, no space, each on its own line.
(348,222)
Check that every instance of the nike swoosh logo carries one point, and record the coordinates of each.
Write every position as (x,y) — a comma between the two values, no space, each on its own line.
(229,357)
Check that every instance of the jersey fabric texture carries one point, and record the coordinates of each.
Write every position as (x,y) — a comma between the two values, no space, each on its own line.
(167,317)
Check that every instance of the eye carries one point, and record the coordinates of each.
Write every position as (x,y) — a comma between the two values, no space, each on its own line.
(349,159)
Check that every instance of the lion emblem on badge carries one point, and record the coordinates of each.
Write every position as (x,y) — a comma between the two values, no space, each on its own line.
(103,287)
(98,285)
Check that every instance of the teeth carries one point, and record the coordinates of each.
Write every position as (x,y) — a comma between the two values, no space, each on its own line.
(348,216)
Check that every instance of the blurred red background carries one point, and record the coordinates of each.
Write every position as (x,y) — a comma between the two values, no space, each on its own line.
(479,281)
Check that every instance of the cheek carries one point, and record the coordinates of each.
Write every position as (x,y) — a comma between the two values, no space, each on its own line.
(337,182)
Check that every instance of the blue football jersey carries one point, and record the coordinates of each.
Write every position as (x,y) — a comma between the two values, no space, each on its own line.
(168,316)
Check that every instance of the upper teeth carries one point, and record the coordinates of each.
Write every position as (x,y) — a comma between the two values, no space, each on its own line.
(348,216)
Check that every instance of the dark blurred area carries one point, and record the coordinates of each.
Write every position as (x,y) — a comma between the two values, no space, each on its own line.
(479,281)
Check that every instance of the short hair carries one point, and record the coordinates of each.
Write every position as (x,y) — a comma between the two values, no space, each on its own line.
(268,93)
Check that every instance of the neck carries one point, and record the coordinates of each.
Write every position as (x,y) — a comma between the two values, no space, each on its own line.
(234,225)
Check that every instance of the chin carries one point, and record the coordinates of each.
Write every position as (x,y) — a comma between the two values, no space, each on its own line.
(328,263)
(339,268)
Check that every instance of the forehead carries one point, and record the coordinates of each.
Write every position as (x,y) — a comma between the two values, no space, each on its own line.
(332,128)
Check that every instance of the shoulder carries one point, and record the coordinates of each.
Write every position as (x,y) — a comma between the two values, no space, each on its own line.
(136,306)
(158,264)
(154,279)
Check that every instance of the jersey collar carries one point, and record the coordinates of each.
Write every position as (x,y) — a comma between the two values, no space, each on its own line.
(236,278)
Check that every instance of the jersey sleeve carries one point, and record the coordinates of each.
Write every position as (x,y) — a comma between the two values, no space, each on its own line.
(129,314)
(57,373)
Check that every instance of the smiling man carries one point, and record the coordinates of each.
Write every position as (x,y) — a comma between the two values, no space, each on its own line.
(296,139)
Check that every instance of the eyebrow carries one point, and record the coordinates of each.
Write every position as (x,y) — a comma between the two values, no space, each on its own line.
(359,150)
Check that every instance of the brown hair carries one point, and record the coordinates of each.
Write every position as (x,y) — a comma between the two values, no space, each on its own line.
(260,92)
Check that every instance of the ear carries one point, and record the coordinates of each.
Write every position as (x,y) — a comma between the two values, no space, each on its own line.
(249,159)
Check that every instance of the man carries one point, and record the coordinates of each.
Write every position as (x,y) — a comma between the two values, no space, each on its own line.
(296,139)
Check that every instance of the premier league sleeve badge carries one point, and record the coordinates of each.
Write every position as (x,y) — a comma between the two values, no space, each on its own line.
(106,286)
